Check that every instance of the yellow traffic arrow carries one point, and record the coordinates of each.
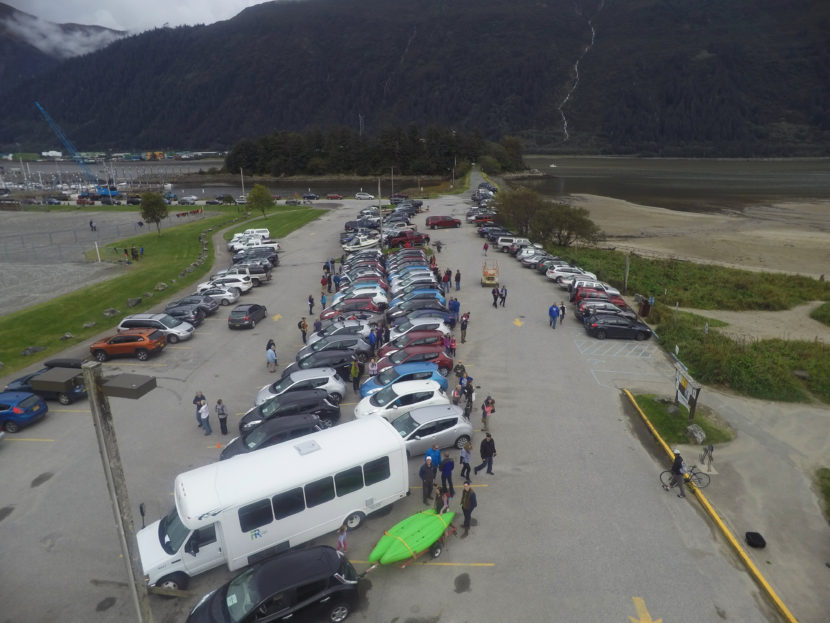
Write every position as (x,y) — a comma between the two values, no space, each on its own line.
(276,316)
(642,612)
(518,322)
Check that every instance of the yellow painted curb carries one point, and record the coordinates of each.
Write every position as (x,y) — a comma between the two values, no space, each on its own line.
(750,566)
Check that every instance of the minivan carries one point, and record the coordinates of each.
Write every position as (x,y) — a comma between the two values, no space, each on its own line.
(174,329)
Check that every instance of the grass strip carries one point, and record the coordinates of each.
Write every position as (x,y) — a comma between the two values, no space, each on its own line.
(822,313)
(823,482)
(672,426)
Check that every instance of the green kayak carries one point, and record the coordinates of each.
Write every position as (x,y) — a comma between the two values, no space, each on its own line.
(410,537)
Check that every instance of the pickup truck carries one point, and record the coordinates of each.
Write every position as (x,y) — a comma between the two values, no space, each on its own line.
(408,239)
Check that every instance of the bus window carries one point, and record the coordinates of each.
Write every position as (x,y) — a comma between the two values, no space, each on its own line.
(289,503)
(255,515)
(348,481)
(377,470)
(319,491)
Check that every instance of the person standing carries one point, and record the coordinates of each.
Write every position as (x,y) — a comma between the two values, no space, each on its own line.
(342,531)
(329,281)
(354,374)
(271,358)
(434,455)
(336,279)
(446,467)
(561,312)
(318,325)
(303,327)
(466,458)
(487,408)
(372,338)
(503,295)
(457,280)
(324,281)
(453,346)
(197,402)
(446,343)
(323,300)
(678,470)
(553,314)
(427,476)
(465,320)
(485,247)
(222,416)
(386,333)
(92,226)
(468,504)
(204,414)
(495,292)
(373,367)
(310,305)
(487,450)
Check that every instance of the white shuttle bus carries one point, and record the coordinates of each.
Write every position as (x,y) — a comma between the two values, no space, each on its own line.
(255,505)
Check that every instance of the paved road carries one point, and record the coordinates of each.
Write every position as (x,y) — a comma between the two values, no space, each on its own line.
(571,527)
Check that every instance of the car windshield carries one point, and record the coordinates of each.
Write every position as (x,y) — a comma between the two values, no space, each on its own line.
(242,595)
(386,377)
(399,356)
(383,397)
(404,424)
(28,402)
(331,329)
(405,326)
(282,385)
(170,322)
(172,532)
(270,406)
(253,439)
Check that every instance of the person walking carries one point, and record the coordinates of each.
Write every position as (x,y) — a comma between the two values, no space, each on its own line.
(323,300)
(446,280)
(466,458)
(488,407)
(303,327)
(561,312)
(310,305)
(678,470)
(465,320)
(427,476)
(503,295)
(197,402)
(495,292)
(222,416)
(553,315)
(204,415)
(457,280)
(342,531)
(271,358)
(485,247)
(468,504)
(446,467)
(487,450)
(354,374)
(92,226)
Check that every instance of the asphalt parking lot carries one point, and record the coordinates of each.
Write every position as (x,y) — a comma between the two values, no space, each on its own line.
(572,526)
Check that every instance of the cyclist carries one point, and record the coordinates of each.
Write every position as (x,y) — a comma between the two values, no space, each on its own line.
(678,469)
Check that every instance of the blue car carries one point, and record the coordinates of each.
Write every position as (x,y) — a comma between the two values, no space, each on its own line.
(426,293)
(19,409)
(418,371)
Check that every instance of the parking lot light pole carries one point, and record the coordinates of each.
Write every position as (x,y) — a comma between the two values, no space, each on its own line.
(127,386)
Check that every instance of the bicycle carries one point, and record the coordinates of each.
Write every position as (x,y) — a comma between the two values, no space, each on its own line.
(697,478)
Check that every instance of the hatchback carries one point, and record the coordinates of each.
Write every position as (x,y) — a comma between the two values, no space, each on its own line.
(354,343)
(312,378)
(417,371)
(340,360)
(205,303)
(425,427)
(434,354)
(363,196)
(191,314)
(314,401)
(271,433)
(428,323)
(19,409)
(404,308)
(340,327)
(221,295)
(347,307)
(413,338)
(246,315)
(388,401)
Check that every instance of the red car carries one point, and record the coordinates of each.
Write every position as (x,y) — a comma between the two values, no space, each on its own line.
(434,222)
(432,354)
(333,196)
(413,338)
(590,293)
(371,279)
(84,201)
(408,239)
(347,307)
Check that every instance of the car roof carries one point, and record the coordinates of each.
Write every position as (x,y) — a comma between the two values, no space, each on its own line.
(296,567)
(312,373)
(145,331)
(423,415)
(408,387)
(64,362)
(15,397)
(287,422)
(245,306)
(415,366)
(423,348)
(335,354)
(144,316)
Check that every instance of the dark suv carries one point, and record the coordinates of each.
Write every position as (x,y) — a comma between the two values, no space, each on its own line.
(316,583)
(313,401)
(271,433)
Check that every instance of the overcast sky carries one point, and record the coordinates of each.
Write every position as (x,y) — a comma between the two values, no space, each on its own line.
(133,15)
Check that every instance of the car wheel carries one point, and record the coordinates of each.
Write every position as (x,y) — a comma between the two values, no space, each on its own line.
(462,441)
(433,227)
(458,224)
(63,399)
(600,335)
(640,336)
(326,422)
(443,371)
(362,357)
(172,339)
(339,612)
(100,355)
(142,355)
(174,581)
(11,427)
(355,520)
(225,302)
(335,398)
(436,549)
(253,324)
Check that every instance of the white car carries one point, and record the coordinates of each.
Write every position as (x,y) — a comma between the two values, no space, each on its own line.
(362,195)
(529,250)
(556,273)
(378,295)
(311,378)
(242,283)
(359,243)
(407,395)
(223,296)
(424,323)
(339,327)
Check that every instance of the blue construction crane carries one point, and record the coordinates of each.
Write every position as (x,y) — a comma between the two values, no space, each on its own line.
(105,190)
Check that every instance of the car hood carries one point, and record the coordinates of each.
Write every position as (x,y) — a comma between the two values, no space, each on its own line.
(369,387)
(365,409)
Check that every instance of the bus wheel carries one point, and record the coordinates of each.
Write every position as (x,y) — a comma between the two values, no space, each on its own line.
(355,520)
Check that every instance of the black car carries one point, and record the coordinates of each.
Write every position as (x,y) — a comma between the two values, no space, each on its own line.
(205,303)
(133,201)
(354,343)
(187,313)
(614,325)
(272,432)
(78,391)
(415,304)
(313,401)
(316,583)
(340,360)
(310,196)
(246,315)
(589,308)
(246,255)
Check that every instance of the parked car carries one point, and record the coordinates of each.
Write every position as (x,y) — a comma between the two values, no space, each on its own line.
(377,296)
(139,343)
(174,329)
(428,323)
(404,308)
(310,196)
(407,238)
(340,327)
(192,314)
(312,378)
(433,354)
(424,294)
(354,343)
(613,325)
(313,401)
(246,315)
(19,409)
(589,307)
(206,303)
(413,338)
(271,433)
(364,196)
(558,272)
(240,282)
(415,371)
(426,314)
(409,394)
(422,428)
(333,196)
(222,296)
(347,307)
(24,384)
(436,222)
(315,583)
(340,360)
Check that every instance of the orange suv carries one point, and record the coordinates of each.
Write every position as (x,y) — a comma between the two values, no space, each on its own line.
(133,343)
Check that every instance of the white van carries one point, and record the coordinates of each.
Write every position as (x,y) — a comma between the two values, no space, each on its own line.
(255,505)
(263,233)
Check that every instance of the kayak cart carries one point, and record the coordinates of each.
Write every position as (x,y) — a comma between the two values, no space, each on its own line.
(489,274)
(423,532)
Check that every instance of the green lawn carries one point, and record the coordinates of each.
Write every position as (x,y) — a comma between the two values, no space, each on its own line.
(822,313)
(672,427)
(823,482)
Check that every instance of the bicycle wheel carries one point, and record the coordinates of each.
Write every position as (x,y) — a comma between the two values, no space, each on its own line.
(700,480)
(666,479)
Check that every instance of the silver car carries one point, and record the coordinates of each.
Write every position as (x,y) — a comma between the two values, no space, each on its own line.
(444,425)
(342,327)
(346,341)
(312,378)
(221,295)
